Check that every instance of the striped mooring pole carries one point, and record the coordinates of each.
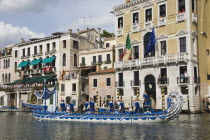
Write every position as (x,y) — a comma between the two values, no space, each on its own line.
(163,99)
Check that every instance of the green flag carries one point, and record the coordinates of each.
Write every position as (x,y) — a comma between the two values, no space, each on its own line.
(128,42)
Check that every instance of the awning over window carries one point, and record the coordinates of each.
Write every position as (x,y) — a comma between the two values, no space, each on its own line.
(23,64)
(35,62)
(48,60)
(34,80)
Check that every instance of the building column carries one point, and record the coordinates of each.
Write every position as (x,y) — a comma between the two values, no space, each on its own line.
(18,99)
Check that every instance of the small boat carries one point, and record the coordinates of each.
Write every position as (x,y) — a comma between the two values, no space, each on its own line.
(174,101)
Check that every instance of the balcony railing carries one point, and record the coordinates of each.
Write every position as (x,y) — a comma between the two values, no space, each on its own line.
(82,64)
(49,70)
(135,28)
(174,58)
(181,17)
(135,83)
(148,24)
(162,21)
(36,72)
(119,32)
(163,81)
(183,80)
(197,80)
(194,18)
(120,84)
(107,62)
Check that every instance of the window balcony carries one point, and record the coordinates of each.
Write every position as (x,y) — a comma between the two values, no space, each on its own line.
(183,80)
(162,21)
(163,81)
(23,57)
(120,32)
(135,28)
(194,18)
(47,52)
(53,51)
(49,70)
(36,72)
(148,24)
(181,17)
(174,58)
(107,62)
(82,64)
(135,83)
(120,84)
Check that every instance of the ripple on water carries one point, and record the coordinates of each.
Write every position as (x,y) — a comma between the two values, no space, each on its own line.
(22,126)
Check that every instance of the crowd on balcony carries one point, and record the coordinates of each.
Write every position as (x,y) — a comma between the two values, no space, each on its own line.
(184,77)
(162,79)
(20,85)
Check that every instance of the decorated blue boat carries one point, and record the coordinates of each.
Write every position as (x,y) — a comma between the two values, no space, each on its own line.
(174,107)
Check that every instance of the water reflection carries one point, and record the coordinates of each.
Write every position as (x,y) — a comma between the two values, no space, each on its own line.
(23,126)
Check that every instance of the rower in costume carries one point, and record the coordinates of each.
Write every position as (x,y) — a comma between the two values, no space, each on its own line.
(146,101)
(122,107)
(63,106)
(111,106)
(86,104)
(92,106)
(137,106)
(71,107)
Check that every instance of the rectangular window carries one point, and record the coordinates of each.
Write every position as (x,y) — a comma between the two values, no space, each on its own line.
(148,15)
(74,87)
(54,45)
(208,76)
(193,6)
(23,53)
(99,58)
(181,6)
(136,91)
(62,87)
(120,22)
(207,52)
(120,54)
(163,47)
(135,18)
(136,52)
(136,78)
(83,87)
(95,82)
(40,49)
(120,80)
(107,45)
(35,50)
(83,60)
(108,81)
(29,53)
(108,58)
(16,54)
(48,47)
(94,59)
(162,11)
(75,44)
(64,43)
(182,42)
(184,90)
(120,92)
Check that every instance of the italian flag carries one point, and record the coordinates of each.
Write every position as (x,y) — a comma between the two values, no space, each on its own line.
(127,49)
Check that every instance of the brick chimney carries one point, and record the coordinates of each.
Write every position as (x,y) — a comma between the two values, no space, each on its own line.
(127,1)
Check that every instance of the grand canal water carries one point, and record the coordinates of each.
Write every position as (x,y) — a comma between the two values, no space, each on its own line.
(22,126)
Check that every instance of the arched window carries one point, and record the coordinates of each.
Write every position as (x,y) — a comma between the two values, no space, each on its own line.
(2,78)
(5,79)
(75,60)
(64,59)
(9,78)
(4,63)
(8,62)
